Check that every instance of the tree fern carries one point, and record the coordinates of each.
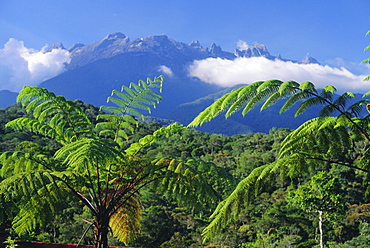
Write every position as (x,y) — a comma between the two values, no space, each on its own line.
(91,164)
(315,144)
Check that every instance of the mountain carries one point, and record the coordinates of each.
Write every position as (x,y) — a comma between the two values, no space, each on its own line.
(97,68)
(7,98)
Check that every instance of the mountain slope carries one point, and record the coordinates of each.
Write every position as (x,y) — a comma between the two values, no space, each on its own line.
(93,82)
(99,67)
(7,98)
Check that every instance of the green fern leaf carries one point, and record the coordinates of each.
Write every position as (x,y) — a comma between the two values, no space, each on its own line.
(308,86)
(367,78)
(274,98)
(130,91)
(307,104)
(119,102)
(125,221)
(294,99)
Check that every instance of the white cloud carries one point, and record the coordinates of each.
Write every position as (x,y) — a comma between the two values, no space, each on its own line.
(242,45)
(21,66)
(248,70)
(165,70)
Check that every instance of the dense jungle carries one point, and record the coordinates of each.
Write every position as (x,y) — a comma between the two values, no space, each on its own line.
(275,218)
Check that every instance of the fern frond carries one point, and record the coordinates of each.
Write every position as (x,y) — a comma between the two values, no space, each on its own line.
(274,98)
(294,99)
(308,86)
(116,127)
(307,104)
(297,139)
(366,61)
(342,100)
(119,121)
(119,102)
(328,110)
(210,112)
(84,154)
(132,92)
(31,97)
(57,113)
(229,209)
(125,221)
(263,91)
(139,105)
(290,87)
(138,95)
(38,193)
(28,156)
(187,185)
(285,89)
(240,97)
(322,138)
(327,92)
(266,93)
(367,78)
(356,108)
(32,125)
(151,138)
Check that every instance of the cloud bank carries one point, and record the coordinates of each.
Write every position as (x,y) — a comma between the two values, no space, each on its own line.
(20,66)
(165,70)
(248,70)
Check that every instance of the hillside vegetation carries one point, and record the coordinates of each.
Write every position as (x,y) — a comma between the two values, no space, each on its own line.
(274,219)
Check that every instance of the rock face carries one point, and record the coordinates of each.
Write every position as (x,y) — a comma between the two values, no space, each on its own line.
(118,43)
(308,60)
(257,50)
(109,46)
(58,45)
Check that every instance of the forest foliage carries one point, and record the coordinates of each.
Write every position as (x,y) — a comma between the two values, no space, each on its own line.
(273,219)
(94,165)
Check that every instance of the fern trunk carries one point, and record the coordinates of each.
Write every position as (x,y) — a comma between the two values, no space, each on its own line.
(101,231)
(320,229)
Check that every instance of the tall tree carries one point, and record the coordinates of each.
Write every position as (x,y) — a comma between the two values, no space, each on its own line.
(331,138)
(92,164)
(322,195)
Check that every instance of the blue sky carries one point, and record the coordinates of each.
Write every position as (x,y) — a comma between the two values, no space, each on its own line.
(331,31)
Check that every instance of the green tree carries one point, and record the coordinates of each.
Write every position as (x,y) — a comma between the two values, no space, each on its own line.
(332,138)
(322,195)
(92,165)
